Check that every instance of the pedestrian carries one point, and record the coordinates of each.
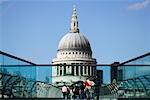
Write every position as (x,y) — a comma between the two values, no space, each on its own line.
(82,91)
(71,93)
(68,93)
(64,91)
(88,84)
(96,88)
(76,92)
(87,93)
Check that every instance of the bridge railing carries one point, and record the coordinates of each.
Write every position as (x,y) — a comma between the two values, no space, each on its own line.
(34,81)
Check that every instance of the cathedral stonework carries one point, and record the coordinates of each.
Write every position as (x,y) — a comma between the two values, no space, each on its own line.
(74,50)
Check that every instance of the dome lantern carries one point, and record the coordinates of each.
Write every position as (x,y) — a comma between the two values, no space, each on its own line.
(74,22)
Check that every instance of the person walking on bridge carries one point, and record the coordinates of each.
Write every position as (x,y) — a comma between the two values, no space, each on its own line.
(64,91)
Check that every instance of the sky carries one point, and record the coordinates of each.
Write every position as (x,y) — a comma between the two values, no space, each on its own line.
(117,30)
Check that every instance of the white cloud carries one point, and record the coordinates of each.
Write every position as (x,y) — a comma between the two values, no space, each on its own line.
(139,5)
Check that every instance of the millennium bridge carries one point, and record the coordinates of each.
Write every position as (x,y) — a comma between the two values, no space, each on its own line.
(23,79)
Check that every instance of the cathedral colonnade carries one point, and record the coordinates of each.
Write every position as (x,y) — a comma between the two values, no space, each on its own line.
(75,69)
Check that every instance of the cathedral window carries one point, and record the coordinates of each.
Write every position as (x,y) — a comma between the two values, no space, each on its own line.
(84,69)
(92,71)
(64,70)
(89,70)
(77,70)
(60,70)
(81,67)
(72,70)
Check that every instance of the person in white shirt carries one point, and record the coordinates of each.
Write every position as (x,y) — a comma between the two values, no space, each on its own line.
(64,91)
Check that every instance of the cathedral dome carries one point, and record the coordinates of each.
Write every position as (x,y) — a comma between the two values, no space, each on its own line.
(74,41)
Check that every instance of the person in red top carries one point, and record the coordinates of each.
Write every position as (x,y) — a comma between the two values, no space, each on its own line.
(88,85)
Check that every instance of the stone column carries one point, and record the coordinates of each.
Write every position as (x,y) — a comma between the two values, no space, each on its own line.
(87,69)
(91,70)
(79,70)
(70,69)
(83,67)
(74,70)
